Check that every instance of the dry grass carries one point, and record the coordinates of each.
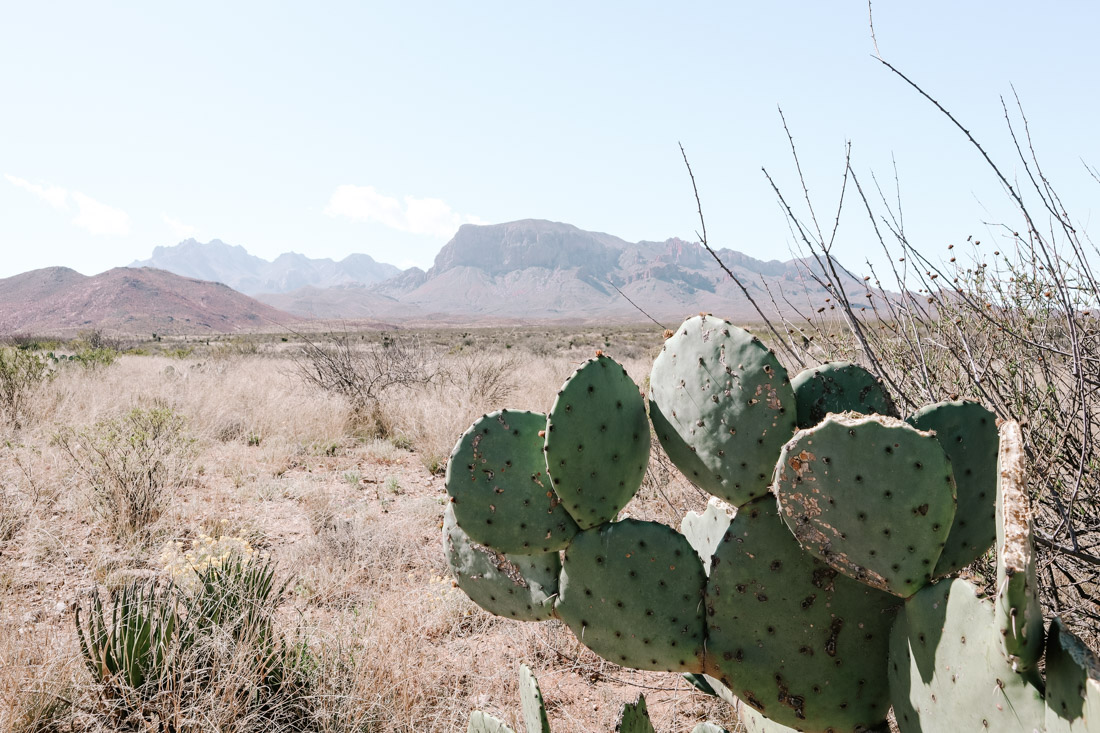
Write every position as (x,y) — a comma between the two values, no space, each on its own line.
(351,520)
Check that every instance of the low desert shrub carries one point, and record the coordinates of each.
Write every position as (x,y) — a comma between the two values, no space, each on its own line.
(133,464)
(22,373)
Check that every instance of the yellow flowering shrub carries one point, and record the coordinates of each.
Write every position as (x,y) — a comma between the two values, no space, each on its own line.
(183,566)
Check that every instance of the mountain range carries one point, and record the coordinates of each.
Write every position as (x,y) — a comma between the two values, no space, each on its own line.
(534,270)
(518,272)
(234,266)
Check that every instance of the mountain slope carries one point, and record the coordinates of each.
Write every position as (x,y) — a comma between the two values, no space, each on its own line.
(139,301)
(234,266)
(546,271)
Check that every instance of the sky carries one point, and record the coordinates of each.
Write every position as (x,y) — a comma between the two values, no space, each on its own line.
(334,128)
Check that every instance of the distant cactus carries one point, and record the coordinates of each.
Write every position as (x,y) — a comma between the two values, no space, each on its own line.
(822,594)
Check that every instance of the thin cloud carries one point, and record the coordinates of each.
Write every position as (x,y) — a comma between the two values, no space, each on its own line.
(433,217)
(91,215)
(179,229)
(100,218)
(55,196)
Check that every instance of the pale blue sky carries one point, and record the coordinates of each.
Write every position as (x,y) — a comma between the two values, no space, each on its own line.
(331,128)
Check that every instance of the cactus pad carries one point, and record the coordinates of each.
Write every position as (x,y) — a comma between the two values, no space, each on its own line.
(947,671)
(967,432)
(632,592)
(789,635)
(1073,683)
(530,698)
(839,386)
(755,722)
(484,723)
(1019,613)
(497,480)
(634,718)
(722,406)
(704,531)
(521,587)
(871,496)
(597,441)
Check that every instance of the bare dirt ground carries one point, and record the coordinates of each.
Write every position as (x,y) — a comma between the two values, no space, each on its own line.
(351,519)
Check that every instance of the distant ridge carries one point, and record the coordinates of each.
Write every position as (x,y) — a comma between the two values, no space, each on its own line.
(57,300)
(232,265)
(536,270)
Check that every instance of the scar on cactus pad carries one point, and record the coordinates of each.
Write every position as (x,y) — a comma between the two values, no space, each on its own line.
(722,406)
(522,587)
(871,496)
(1018,611)
(499,487)
(789,635)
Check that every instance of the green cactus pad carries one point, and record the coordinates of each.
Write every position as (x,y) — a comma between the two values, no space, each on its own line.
(521,587)
(634,718)
(597,441)
(704,531)
(1019,614)
(967,432)
(530,698)
(632,592)
(497,480)
(791,636)
(755,722)
(484,723)
(871,496)
(946,669)
(722,406)
(839,386)
(1073,683)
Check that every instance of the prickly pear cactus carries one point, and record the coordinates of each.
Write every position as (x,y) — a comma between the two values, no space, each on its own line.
(839,386)
(634,717)
(497,480)
(704,531)
(514,586)
(947,671)
(632,592)
(722,406)
(789,635)
(871,496)
(1019,614)
(1073,683)
(967,432)
(530,698)
(792,602)
(597,441)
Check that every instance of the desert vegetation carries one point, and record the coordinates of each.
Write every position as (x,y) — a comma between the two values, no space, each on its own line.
(274,550)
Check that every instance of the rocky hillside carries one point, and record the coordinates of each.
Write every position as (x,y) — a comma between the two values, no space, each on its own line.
(57,300)
(545,271)
(234,266)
